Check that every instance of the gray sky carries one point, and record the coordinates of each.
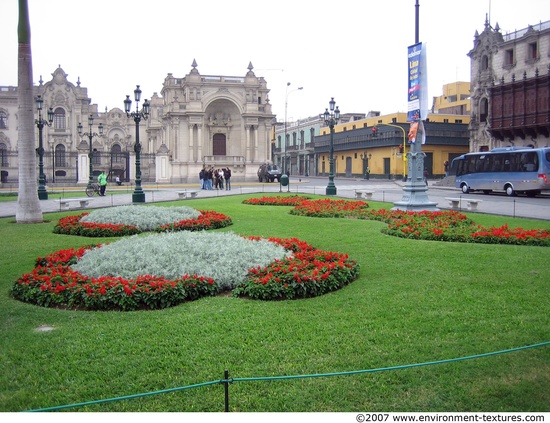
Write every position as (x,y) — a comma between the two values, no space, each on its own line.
(352,50)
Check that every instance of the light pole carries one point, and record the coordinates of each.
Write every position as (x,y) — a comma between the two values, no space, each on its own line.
(404,147)
(331,118)
(42,193)
(287,93)
(90,135)
(138,196)
(365,157)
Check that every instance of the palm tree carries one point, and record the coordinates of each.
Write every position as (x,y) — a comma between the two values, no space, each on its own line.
(28,206)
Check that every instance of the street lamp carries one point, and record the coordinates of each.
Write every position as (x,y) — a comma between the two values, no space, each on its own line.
(287,93)
(42,193)
(402,148)
(331,118)
(90,135)
(138,196)
(365,157)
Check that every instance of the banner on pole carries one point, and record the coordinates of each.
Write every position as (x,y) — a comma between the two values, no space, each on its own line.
(417,83)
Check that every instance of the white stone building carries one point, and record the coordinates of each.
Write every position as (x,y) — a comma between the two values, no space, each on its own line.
(199,120)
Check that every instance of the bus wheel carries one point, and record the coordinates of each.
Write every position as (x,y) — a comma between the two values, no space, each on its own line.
(510,191)
(465,188)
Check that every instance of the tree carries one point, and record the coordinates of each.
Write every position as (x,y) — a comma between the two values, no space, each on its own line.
(28,205)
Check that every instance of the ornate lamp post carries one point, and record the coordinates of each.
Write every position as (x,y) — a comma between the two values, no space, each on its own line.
(138,196)
(42,193)
(331,118)
(90,135)
(365,157)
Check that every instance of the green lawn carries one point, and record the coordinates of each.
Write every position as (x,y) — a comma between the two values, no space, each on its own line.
(414,302)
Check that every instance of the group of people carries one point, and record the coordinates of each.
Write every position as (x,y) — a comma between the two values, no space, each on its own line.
(211,178)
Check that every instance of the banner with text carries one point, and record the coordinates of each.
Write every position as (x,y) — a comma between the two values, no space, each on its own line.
(417,84)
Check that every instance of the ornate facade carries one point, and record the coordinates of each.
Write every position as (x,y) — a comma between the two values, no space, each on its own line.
(510,76)
(200,120)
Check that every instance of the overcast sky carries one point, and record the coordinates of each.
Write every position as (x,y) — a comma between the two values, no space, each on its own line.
(352,50)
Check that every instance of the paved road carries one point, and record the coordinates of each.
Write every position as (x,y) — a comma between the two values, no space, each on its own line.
(385,191)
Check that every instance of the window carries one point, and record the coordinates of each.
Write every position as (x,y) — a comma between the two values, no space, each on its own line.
(3,120)
(532,51)
(60,159)
(96,157)
(59,118)
(116,154)
(509,57)
(483,110)
(3,155)
(484,63)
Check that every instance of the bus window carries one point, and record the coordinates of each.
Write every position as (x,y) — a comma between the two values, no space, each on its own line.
(497,164)
(529,162)
(479,164)
(471,164)
(488,163)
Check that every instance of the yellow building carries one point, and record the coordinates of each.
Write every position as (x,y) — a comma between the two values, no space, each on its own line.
(455,99)
(379,143)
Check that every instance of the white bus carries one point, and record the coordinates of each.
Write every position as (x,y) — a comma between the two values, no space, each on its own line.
(512,170)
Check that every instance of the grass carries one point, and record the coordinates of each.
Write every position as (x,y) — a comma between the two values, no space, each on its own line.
(415,301)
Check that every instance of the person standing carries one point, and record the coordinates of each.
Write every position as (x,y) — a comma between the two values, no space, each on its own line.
(201,177)
(102,181)
(227,176)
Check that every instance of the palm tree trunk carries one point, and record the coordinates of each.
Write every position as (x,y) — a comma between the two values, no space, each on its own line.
(28,205)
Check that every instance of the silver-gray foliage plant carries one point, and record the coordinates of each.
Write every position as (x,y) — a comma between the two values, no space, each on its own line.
(225,257)
(145,218)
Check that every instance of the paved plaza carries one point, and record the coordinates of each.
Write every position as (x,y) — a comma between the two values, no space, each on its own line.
(383,190)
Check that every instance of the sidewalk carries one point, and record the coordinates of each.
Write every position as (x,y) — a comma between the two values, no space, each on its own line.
(384,190)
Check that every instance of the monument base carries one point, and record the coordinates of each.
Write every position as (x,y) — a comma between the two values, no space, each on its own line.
(415,198)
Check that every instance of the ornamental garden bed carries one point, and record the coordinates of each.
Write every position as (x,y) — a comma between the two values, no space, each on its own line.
(436,226)
(131,220)
(300,271)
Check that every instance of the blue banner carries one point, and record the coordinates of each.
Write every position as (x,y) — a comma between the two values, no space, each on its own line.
(417,84)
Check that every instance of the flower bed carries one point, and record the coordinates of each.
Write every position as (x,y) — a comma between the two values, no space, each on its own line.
(307,273)
(72,225)
(280,200)
(53,283)
(437,226)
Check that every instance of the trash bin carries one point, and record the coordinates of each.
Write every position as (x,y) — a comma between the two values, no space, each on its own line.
(284,180)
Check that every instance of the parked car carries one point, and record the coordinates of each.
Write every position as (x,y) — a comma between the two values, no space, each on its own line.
(268,173)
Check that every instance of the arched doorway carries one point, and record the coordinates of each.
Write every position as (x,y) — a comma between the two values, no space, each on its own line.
(219,145)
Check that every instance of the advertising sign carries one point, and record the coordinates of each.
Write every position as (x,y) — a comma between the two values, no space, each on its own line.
(417,83)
